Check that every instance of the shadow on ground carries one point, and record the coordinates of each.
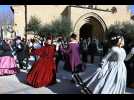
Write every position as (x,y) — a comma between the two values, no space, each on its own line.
(65,87)
(21,76)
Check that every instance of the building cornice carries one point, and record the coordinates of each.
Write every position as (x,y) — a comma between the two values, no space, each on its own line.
(94,8)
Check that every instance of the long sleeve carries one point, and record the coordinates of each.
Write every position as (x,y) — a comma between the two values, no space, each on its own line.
(104,63)
(106,57)
(68,50)
(38,51)
(113,55)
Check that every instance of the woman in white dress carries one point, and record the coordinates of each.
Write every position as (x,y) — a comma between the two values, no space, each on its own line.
(110,78)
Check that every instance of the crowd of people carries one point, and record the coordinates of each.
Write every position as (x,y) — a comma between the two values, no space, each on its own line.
(110,78)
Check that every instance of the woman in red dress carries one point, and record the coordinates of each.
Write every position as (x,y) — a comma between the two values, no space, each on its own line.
(43,72)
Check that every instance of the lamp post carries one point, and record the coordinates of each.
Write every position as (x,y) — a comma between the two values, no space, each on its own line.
(26,65)
(25,23)
(1,32)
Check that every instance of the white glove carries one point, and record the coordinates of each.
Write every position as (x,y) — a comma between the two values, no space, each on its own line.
(132,51)
(19,46)
(103,62)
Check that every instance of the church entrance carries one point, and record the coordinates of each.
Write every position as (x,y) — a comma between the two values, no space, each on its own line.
(91,29)
(86,30)
(92,26)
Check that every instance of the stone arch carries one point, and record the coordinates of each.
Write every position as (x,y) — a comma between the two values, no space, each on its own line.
(84,19)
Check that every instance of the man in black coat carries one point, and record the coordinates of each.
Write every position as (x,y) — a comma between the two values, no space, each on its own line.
(84,49)
(92,49)
(19,48)
(129,61)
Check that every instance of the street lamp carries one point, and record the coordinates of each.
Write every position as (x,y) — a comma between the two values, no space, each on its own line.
(2,28)
(26,33)
(25,23)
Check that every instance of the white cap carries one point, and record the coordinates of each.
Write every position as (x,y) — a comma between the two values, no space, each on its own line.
(18,41)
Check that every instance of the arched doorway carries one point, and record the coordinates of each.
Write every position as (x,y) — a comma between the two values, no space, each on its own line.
(90,25)
(86,30)
(92,29)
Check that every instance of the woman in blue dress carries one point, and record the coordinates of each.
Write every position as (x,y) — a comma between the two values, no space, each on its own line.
(110,78)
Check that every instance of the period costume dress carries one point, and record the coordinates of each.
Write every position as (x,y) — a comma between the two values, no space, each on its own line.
(67,66)
(7,62)
(43,72)
(74,55)
(110,78)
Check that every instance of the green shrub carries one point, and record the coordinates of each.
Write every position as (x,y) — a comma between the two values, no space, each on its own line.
(61,26)
(34,25)
(126,27)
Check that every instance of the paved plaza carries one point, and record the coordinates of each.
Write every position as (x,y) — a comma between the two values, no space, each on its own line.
(15,84)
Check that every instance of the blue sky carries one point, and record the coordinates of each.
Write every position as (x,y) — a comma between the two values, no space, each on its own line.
(131,7)
(6,13)
(4,7)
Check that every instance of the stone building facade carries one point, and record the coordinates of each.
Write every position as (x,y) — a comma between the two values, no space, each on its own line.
(87,20)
